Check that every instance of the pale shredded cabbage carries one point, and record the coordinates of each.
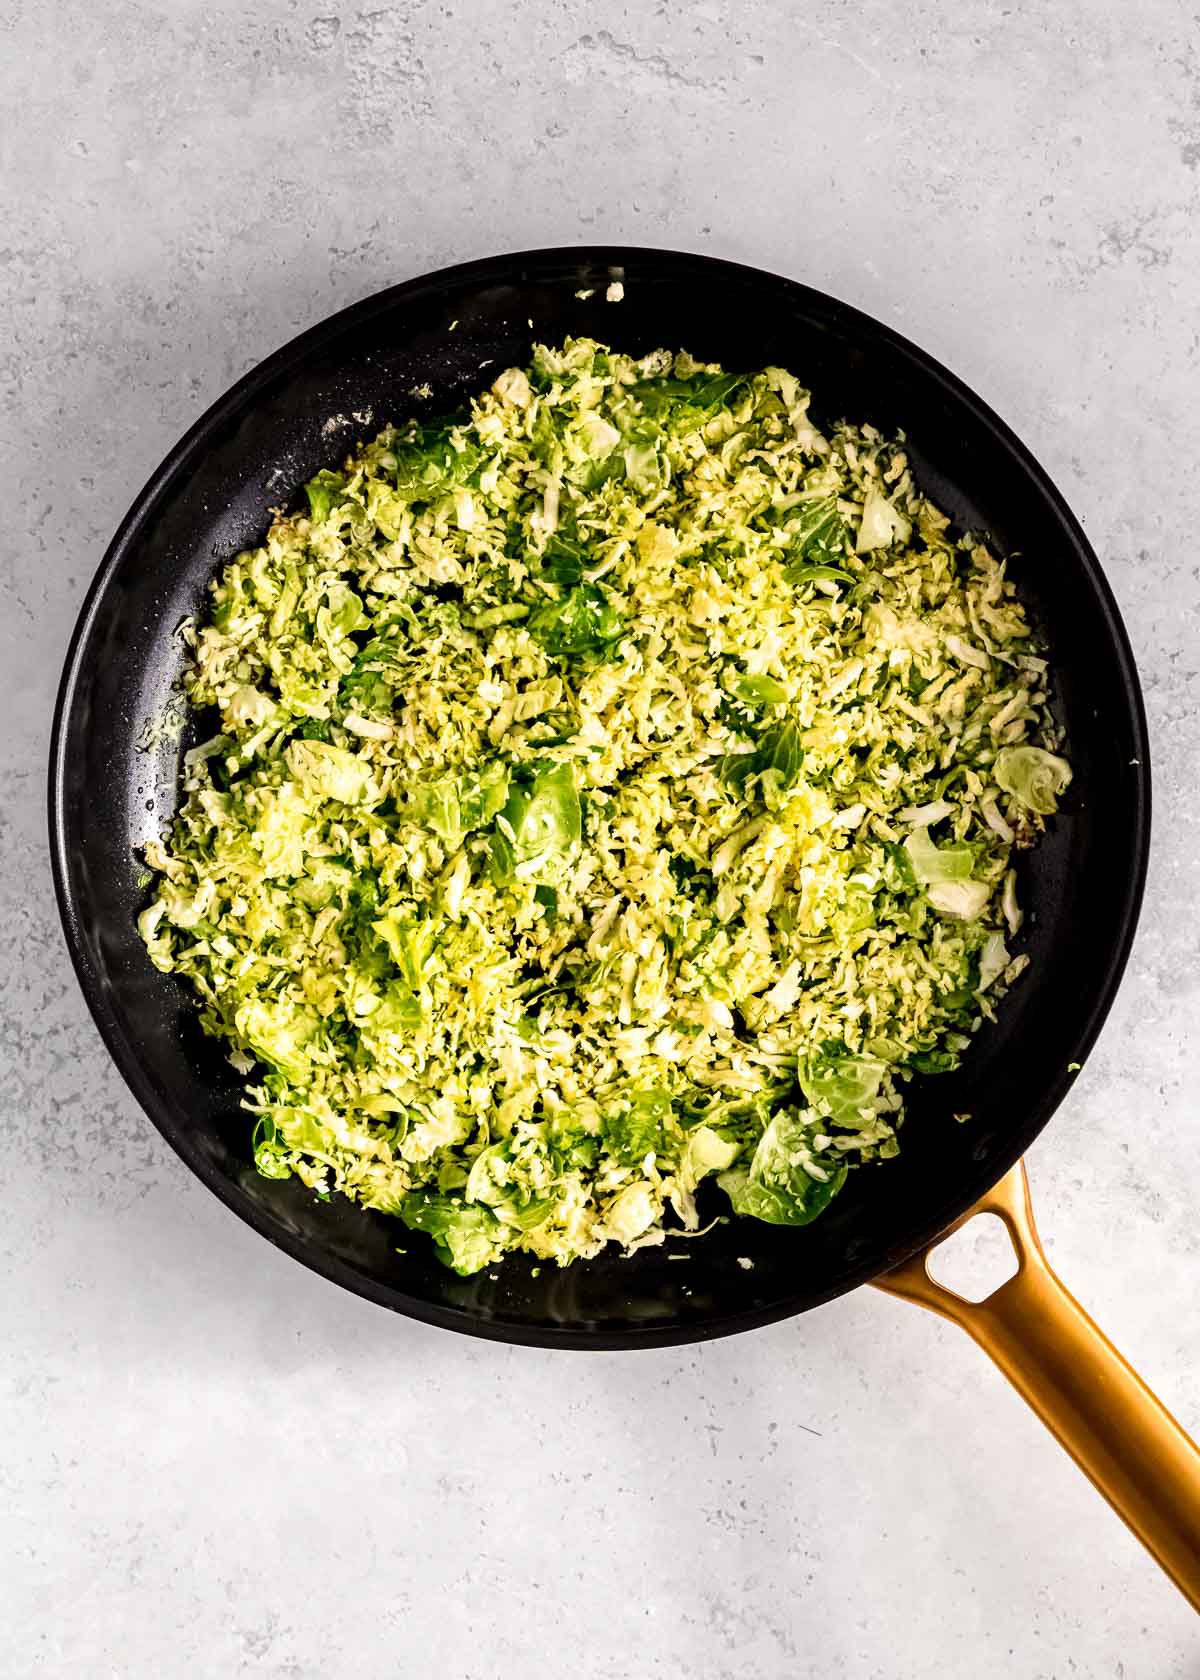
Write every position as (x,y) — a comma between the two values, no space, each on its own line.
(613,788)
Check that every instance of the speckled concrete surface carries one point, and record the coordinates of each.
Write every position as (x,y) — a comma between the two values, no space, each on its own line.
(215,1464)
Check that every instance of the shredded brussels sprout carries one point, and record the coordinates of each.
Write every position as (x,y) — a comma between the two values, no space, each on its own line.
(613,788)
(1034,777)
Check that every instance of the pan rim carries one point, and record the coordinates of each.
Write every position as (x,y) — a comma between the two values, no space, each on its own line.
(155,1101)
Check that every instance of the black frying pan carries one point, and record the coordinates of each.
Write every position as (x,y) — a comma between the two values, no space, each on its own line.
(112,786)
(304,408)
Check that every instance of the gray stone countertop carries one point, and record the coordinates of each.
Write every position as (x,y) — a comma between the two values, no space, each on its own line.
(213,1463)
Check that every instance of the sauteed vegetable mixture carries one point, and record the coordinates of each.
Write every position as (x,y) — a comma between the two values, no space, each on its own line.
(610,788)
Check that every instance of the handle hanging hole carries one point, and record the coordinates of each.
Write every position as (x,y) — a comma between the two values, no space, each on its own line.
(974,1261)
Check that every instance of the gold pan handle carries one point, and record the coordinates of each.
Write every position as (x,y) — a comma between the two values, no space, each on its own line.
(1100,1410)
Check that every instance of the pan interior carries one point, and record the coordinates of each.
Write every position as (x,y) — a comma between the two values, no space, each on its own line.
(114,780)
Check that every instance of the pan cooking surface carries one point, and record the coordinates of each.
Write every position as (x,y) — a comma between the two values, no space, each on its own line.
(113,781)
